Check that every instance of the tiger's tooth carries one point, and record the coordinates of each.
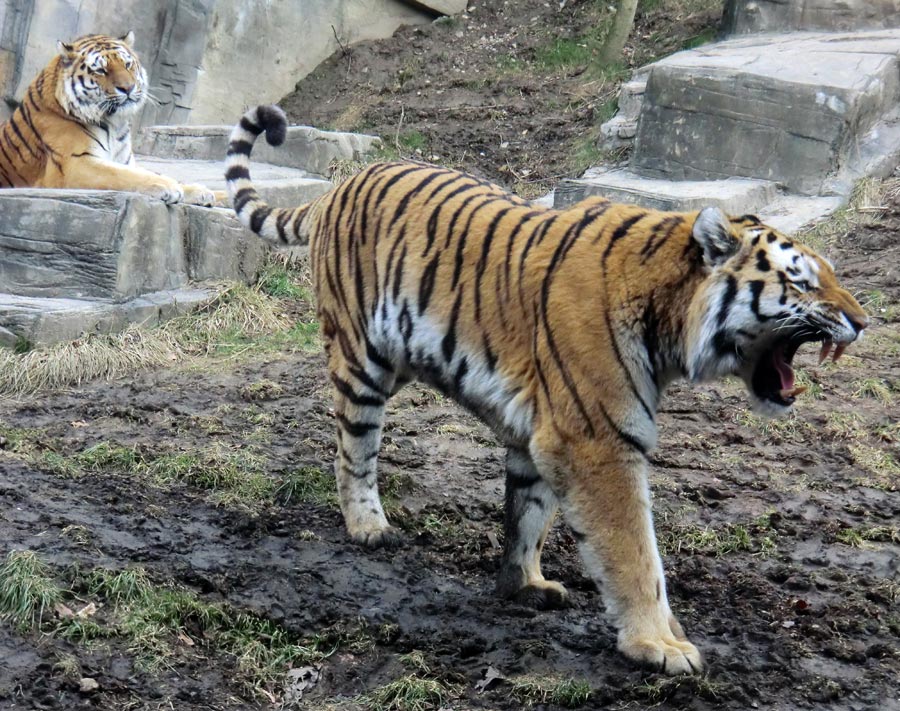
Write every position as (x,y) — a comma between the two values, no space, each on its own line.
(788,393)
(826,348)
(838,352)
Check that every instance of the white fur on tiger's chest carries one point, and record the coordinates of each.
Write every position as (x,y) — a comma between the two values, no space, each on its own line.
(112,143)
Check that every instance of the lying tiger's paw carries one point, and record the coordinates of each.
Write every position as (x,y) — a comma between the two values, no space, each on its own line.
(169,193)
(199,195)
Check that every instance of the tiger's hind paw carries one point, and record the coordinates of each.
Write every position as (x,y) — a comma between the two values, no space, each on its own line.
(388,537)
(546,595)
(666,654)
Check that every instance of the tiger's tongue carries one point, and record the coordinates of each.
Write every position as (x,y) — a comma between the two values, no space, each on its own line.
(785,372)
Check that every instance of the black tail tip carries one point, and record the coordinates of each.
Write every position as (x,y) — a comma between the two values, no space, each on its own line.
(274,122)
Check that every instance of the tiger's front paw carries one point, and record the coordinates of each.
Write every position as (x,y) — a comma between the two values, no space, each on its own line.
(170,194)
(666,650)
(199,195)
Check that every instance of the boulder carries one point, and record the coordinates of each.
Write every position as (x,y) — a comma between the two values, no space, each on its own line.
(746,16)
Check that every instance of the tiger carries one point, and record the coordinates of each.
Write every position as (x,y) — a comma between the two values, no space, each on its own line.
(559,329)
(72,128)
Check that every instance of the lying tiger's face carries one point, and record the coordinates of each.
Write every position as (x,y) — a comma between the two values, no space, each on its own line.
(767,296)
(102,79)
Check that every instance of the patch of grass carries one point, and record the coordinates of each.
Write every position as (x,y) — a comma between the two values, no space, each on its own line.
(861,209)
(409,693)
(757,538)
(279,282)
(310,485)
(884,472)
(568,693)
(813,387)
(844,425)
(564,53)
(705,37)
(412,141)
(234,319)
(27,590)
(874,388)
(859,537)
(664,687)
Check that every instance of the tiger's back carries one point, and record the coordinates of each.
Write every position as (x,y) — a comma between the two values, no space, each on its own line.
(560,329)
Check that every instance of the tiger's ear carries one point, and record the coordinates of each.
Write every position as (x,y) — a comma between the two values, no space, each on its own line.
(65,50)
(712,231)
(128,39)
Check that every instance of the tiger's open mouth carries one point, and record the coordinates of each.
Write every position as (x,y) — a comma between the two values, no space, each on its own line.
(773,375)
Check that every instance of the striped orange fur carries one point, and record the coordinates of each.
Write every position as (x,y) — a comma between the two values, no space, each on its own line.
(72,128)
(560,329)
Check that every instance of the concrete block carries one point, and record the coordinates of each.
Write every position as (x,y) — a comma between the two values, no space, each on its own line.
(734,196)
(305,148)
(440,7)
(779,108)
(745,17)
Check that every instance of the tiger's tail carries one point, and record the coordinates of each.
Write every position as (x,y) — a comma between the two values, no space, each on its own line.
(279,226)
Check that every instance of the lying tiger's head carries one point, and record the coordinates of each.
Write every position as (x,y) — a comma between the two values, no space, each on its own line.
(765,296)
(101,79)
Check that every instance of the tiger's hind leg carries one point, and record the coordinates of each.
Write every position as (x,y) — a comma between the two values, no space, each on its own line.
(359,402)
(530,508)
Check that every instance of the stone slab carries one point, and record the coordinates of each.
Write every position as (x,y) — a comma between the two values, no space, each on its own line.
(734,196)
(45,321)
(440,7)
(784,108)
(305,148)
(279,185)
(114,245)
(745,17)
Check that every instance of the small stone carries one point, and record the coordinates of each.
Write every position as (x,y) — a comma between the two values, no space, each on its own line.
(87,685)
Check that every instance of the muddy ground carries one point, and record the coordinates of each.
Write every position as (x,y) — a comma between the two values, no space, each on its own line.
(781,539)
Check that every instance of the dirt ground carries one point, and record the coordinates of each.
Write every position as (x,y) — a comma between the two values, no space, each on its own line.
(510,90)
(209,481)
(780,541)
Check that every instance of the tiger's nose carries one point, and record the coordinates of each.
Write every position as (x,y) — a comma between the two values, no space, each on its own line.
(125,89)
(857,321)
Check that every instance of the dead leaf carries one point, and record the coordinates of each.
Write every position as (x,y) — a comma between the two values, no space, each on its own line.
(88,610)
(299,680)
(86,685)
(79,423)
(494,541)
(185,640)
(63,611)
(491,676)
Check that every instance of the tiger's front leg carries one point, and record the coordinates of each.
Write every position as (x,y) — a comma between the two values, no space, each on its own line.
(607,504)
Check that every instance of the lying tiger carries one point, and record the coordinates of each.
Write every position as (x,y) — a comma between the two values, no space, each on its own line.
(560,329)
(72,129)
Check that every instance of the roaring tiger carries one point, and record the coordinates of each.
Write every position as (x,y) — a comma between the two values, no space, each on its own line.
(72,129)
(560,329)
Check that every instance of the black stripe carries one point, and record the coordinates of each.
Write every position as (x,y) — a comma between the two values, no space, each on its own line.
(250,127)
(482,262)
(463,238)
(448,343)
(237,172)
(660,234)
(356,429)
(345,389)
(756,288)
(259,217)
(239,147)
(460,374)
(731,288)
(242,197)
(426,284)
(403,204)
(619,233)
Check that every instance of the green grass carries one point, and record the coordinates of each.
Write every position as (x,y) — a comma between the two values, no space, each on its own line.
(859,537)
(279,282)
(757,538)
(310,485)
(409,693)
(565,692)
(874,388)
(27,590)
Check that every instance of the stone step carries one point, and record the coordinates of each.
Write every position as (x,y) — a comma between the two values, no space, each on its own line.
(735,196)
(281,186)
(742,17)
(44,321)
(784,108)
(306,148)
